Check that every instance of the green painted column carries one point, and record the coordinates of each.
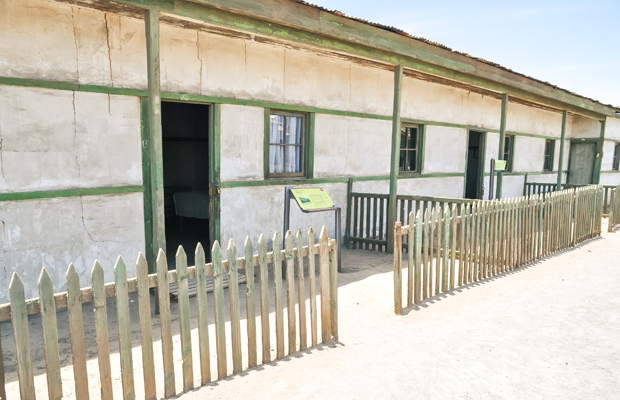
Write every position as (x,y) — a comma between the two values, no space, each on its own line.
(502,138)
(561,160)
(391,220)
(598,161)
(151,19)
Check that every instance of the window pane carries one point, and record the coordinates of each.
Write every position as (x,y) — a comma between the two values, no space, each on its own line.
(276,159)
(276,129)
(412,160)
(293,159)
(506,145)
(413,138)
(401,162)
(403,138)
(293,130)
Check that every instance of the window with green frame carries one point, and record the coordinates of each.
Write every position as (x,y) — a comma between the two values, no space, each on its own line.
(410,159)
(287,145)
(509,144)
(549,149)
(616,162)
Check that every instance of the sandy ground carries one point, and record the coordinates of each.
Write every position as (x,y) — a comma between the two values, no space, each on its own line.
(547,330)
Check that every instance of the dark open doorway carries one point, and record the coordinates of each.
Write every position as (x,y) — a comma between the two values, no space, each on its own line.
(185,142)
(475,165)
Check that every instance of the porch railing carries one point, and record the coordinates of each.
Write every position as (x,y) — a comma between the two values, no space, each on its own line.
(488,238)
(145,384)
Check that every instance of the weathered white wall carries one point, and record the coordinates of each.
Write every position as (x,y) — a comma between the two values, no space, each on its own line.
(439,187)
(608,155)
(610,178)
(529,154)
(53,233)
(512,186)
(59,42)
(255,210)
(54,139)
(584,127)
(241,143)
(612,128)
(347,146)
(524,119)
(444,149)
(543,178)
(379,187)
(435,102)
(492,147)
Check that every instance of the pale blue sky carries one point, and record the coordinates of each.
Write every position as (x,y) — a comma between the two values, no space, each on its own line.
(571,44)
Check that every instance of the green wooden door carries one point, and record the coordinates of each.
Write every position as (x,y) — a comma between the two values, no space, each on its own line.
(581,163)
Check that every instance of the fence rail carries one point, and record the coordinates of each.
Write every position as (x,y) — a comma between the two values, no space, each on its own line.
(489,237)
(614,208)
(292,257)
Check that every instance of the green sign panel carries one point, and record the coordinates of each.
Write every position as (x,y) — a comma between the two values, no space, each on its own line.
(312,199)
(500,165)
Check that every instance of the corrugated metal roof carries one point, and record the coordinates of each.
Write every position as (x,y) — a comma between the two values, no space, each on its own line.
(424,40)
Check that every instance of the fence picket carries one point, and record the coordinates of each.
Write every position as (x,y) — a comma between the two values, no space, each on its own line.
(233,296)
(398,277)
(445,273)
(50,335)
(418,257)
(301,293)
(312,288)
(410,256)
(453,241)
(124,329)
(165,324)
(263,274)
(220,320)
(325,297)
(203,315)
(146,335)
(277,276)
(250,301)
(76,329)
(427,265)
(290,293)
(19,315)
(438,249)
(184,320)
(333,288)
(101,328)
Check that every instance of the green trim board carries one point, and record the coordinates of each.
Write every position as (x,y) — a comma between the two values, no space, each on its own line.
(598,160)
(49,194)
(284,21)
(500,151)
(395,156)
(146,178)
(215,183)
(562,142)
(532,173)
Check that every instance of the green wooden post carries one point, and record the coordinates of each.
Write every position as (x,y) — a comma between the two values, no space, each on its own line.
(598,160)
(214,173)
(151,20)
(347,227)
(502,138)
(561,161)
(398,83)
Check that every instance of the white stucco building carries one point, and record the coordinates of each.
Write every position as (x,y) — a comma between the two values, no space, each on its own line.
(88,172)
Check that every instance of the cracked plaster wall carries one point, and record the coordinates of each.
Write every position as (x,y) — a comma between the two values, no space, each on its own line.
(52,233)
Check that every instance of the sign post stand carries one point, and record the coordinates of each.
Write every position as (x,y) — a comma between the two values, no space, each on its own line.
(311,201)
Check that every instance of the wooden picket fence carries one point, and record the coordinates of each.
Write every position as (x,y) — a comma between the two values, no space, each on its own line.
(366,220)
(531,188)
(489,238)
(614,208)
(291,259)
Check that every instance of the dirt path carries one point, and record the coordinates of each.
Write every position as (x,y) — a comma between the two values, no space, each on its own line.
(548,330)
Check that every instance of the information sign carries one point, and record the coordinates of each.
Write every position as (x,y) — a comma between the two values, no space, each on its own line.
(500,165)
(312,198)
